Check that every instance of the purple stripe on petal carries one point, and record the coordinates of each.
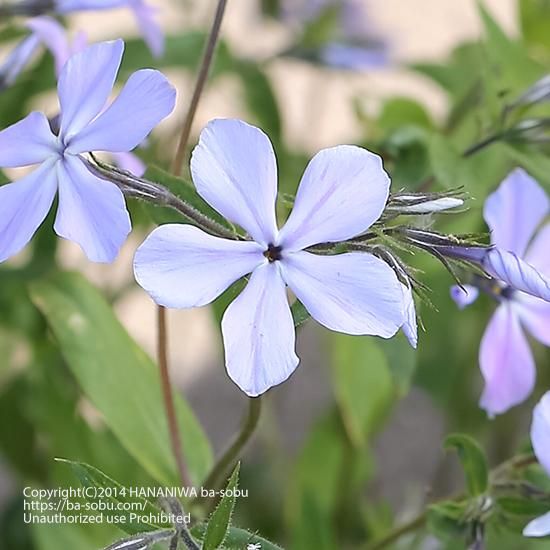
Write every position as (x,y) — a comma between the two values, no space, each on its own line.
(24,206)
(342,193)
(91,211)
(520,275)
(258,333)
(355,293)
(181,266)
(29,141)
(506,362)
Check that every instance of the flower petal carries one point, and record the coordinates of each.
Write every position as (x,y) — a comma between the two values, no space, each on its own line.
(535,316)
(258,333)
(410,326)
(520,275)
(235,171)
(342,193)
(130,163)
(355,293)
(85,83)
(537,253)
(146,98)
(540,431)
(464,295)
(181,266)
(514,211)
(91,212)
(17,60)
(26,142)
(54,36)
(506,362)
(150,29)
(23,206)
(539,527)
(67,6)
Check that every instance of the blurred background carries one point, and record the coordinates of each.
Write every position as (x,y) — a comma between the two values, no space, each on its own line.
(418,83)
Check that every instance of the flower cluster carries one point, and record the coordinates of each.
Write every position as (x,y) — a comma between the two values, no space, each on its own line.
(519,264)
(91,211)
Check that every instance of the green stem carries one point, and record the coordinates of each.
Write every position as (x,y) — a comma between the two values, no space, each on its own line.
(202,77)
(162,328)
(233,452)
(397,533)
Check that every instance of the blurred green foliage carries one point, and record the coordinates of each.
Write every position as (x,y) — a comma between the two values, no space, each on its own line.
(62,346)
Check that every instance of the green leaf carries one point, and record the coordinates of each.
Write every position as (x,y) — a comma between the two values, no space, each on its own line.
(220,520)
(237,539)
(261,101)
(401,111)
(315,529)
(446,520)
(534,17)
(402,361)
(449,168)
(186,192)
(321,29)
(118,377)
(473,462)
(116,494)
(362,383)
(299,313)
(514,68)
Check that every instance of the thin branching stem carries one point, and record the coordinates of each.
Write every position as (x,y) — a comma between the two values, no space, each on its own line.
(233,452)
(202,77)
(177,166)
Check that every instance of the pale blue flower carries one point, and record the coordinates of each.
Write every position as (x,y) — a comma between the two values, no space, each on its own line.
(520,265)
(342,193)
(91,210)
(540,439)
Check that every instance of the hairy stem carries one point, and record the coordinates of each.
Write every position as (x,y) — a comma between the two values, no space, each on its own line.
(177,166)
(233,452)
(202,77)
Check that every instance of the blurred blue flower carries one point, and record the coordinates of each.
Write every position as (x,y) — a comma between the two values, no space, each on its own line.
(17,60)
(520,265)
(353,44)
(342,193)
(144,13)
(540,439)
(91,210)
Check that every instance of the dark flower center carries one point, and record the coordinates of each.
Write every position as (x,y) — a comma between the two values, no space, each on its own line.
(273,253)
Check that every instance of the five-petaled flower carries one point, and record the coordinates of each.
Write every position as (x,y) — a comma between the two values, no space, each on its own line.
(342,193)
(540,439)
(91,211)
(513,212)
